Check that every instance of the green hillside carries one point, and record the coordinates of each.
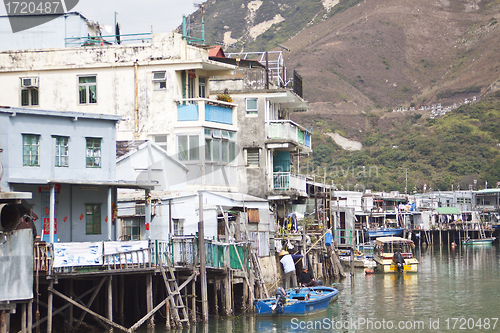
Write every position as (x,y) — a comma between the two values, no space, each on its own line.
(452,150)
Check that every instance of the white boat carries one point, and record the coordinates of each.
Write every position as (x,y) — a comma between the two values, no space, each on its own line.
(394,254)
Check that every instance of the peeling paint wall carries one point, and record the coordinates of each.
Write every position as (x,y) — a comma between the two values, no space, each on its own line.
(58,71)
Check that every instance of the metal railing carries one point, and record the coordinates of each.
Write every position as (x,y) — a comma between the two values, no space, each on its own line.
(286,181)
(275,63)
(180,251)
(197,109)
(288,130)
(144,37)
(130,259)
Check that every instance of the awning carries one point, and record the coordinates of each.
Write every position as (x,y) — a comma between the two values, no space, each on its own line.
(447,210)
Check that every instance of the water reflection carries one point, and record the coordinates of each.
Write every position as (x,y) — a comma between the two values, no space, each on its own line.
(459,282)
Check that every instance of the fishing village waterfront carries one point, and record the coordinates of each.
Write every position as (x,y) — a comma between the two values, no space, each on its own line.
(454,290)
(154,183)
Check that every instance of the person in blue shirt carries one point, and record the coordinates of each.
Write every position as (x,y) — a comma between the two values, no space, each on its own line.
(287,262)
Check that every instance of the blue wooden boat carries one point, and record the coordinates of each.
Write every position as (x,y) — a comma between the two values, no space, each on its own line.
(299,302)
(384,232)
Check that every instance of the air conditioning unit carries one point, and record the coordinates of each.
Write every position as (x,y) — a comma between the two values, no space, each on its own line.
(29,82)
(159,76)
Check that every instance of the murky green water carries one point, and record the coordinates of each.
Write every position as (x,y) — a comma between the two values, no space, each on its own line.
(454,290)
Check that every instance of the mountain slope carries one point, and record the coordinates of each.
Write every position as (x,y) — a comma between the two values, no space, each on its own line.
(361,59)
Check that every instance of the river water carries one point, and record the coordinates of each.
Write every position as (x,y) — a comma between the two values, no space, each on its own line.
(454,290)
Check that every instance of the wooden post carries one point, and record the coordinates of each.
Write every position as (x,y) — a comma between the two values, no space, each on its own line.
(193,300)
(30,316)
(203,270)
(110,299)
(167,314)
(23,318)
(227,293)
(121,300)
(216,306)
(149,300)
(68,286)
(49,303)
(3,325)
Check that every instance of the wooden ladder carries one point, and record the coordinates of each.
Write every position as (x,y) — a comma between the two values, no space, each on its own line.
(174,295)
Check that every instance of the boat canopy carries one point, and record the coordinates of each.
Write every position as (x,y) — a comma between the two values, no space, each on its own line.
(392,239)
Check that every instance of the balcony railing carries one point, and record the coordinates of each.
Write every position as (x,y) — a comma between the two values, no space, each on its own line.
(199,109)
(180,251)
(287,181)
(288,130)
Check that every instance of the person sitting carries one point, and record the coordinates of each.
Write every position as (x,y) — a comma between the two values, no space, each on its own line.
(306,278)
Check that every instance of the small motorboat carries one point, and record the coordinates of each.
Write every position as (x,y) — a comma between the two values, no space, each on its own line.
(395,254)
(479,241)
(297,302)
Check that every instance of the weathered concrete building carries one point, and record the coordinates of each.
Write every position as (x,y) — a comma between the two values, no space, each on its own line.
(67,160)
(160,90)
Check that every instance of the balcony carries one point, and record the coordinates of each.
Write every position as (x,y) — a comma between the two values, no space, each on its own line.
(180,251)
(202,109)
(289,182)
(287,131)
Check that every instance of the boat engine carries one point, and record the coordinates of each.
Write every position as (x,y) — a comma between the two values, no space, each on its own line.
(280,300)
(399,261)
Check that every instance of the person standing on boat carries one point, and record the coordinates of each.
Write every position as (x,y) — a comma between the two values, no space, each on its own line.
(306,278)
(287,262)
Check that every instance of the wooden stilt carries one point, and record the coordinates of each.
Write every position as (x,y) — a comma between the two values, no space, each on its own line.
(49,303)
(70,310)
(227,293)
(23,318)
(167,313)
(149,300)
(216,307)
(104,319)
(193,300)
(110,300)
(30,316)
(121,300)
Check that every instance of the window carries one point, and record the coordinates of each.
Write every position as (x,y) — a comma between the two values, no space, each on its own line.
(93,153)
(29,96)
(178,227)
(160,80)
(251,105)
(219,146)
(93,221)
(131,229)
(202,86)
(253,157)
(161,140)
(191,82)
(87,89)
(188,147)
(61,151)
(31,150)
(29,91)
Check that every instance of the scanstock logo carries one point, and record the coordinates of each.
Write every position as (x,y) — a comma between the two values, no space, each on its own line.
(27,14)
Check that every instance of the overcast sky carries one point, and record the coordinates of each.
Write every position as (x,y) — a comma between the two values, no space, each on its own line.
(135,16)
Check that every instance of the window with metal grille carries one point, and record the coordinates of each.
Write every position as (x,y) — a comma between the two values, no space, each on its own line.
(87,89)
(253,157)
(61,151)
(31,150)
(93,221)
(94,153)
(131,229)
(178,227)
